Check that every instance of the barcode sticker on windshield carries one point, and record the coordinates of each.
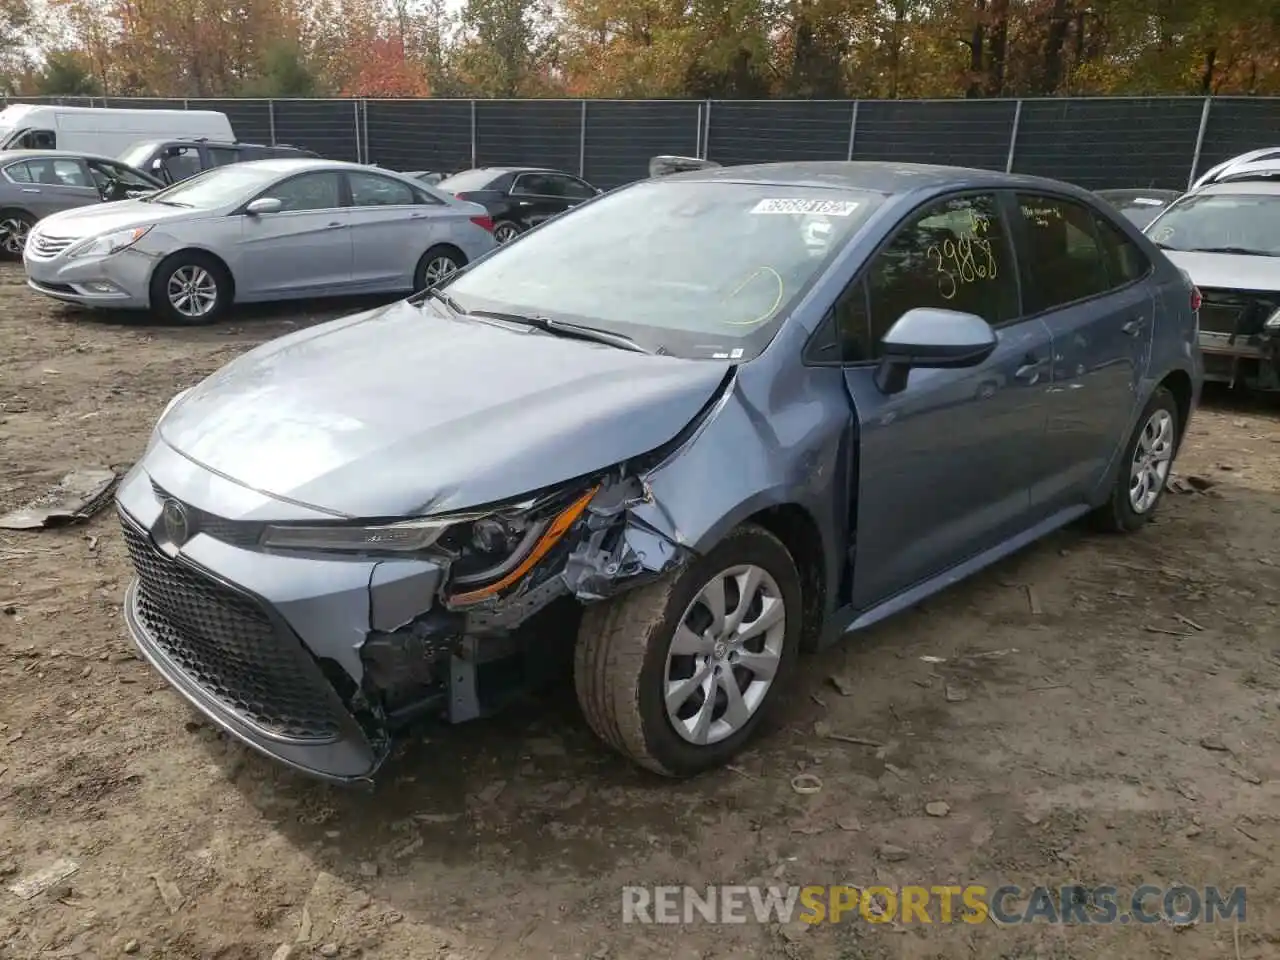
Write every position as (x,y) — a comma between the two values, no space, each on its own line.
(826,208)
(1148,201)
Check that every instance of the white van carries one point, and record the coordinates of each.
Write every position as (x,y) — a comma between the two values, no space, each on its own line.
(105,131)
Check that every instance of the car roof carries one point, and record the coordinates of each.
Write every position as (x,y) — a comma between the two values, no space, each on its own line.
(885,177)
(285,165)
(503,171)
(1261,185)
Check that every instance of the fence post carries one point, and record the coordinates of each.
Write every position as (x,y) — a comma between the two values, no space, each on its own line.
(1204,124)
(364,122)
(474,160)
(853,128)
(1013,137)
(706,132)
(271,119)
(186,104)
(582,142)
(697,140)
(355,107)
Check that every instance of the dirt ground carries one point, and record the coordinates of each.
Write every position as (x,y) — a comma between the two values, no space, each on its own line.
(1124,732)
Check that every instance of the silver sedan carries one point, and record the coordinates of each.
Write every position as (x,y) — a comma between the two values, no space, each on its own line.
(263,230)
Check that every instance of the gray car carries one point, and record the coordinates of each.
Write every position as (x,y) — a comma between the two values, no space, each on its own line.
(36,183)
(255,231)
(679,425)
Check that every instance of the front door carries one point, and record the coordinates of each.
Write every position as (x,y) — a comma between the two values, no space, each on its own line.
(945,465)
(302,249)
(1082,276)
(535,198)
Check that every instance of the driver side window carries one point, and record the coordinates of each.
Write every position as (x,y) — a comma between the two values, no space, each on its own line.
(308,191)
(952,255)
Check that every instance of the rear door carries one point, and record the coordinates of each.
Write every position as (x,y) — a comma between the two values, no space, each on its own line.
(304,248)
(1085,279)
(49,184)
(392,225)
(534,198)
(945,466)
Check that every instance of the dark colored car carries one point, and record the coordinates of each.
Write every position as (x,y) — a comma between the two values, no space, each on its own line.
(1140,207)
(36,183)
(174,160)
(519,198)
(681,429)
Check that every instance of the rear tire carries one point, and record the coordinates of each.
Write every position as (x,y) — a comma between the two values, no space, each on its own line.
(504,231)
(190,288)
(437,264)
(1144,467)
(14,227)
(639,655)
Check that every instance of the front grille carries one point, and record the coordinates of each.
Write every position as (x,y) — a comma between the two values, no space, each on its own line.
(43,247)
(225,643)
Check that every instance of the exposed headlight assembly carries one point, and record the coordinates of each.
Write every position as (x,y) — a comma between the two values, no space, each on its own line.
(488,550)
(108,243)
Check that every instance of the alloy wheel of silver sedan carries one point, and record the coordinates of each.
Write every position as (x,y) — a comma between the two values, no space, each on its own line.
(192,291)
(1152,458)
(438,268)
(725,654)
(13,235)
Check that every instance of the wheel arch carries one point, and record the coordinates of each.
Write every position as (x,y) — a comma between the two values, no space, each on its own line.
(1178,383)
(202,251)
(799,532)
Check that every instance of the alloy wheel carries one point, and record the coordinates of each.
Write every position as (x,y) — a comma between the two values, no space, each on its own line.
(192,291)
(1152,458)
(724,655)
(438,269)
(505,232)
(13,235)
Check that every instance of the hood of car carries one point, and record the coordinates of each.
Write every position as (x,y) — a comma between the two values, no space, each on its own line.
(1229,271)
(401,411)
(97,219)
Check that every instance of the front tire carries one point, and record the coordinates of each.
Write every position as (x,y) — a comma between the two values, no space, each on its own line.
(1144,467)
(190,288)
(678,675)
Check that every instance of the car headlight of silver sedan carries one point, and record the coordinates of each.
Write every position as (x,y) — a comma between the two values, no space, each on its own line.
(487,550)
(108,243)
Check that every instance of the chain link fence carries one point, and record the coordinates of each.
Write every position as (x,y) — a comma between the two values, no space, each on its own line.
(1094,142)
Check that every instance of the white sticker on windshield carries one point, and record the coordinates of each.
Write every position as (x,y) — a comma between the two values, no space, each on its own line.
(1148,202)
(828,208)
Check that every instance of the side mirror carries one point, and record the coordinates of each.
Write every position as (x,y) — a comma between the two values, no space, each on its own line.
(933,339)
(264,205)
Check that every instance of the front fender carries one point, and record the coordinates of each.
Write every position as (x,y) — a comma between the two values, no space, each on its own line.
(771,441)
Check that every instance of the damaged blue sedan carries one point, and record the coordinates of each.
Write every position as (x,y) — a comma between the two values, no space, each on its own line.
(694,427)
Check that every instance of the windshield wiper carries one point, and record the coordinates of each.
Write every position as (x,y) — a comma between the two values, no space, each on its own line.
(564,327)
(1239,251)
(435,293)
(167,203)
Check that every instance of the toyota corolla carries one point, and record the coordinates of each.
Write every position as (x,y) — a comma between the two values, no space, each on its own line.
(699,424)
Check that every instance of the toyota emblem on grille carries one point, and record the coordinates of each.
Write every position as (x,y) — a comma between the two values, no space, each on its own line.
(176,527)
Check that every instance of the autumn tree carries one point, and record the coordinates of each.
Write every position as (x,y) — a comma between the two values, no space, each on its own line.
(385,71)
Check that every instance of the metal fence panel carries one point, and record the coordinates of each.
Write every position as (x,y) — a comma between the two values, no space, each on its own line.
(967,133)
(1237,125)
(131,103)
(622,136)
(535,133)
(326,126)
(753,131)
(250,119)
(1099,143)
(419,134)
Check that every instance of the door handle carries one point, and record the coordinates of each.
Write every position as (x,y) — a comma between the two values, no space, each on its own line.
(30,190)
(1133,327)
(334,225)
(1030,369)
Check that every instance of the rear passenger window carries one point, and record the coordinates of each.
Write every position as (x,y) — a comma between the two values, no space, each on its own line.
(221,156)
(19,172)
(953,255)
(1125,262)
(1064,261)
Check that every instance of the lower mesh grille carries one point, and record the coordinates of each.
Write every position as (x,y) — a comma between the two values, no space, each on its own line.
(226,644)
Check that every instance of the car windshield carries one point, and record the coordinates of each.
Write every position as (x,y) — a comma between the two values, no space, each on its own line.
(699,269)
(1241,223)
(216,186)
(468,180)
(136,155)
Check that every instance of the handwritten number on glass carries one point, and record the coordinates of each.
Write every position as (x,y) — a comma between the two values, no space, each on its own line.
(960,261)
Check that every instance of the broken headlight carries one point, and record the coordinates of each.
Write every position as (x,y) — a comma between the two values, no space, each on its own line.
(404,536)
